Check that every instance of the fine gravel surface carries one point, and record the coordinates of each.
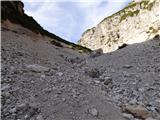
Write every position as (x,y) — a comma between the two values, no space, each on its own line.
(43,82)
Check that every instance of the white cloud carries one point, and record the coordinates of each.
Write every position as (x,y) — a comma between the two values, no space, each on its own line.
(95,13)
(53,18)
(61,20)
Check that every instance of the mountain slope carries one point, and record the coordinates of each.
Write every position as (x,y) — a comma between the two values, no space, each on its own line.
(44,82)
(40,81)
(14,12)
(138,22)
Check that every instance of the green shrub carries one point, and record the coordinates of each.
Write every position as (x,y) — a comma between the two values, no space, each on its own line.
(153,30)
(129,14)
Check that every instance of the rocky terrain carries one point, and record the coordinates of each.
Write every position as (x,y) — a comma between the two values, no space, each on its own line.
(138,22)
(45,81)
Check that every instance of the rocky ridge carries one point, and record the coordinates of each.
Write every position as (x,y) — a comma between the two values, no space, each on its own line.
(138,22)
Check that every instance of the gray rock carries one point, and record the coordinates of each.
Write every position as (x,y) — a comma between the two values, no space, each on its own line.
(137,111)
(93,73)
(32,81)
(150,118)
(40,117)
(60,74)
(108,80)
(47,90)
(43,76)
(127,116)
(5,87)
(37,68)
(13,110)
(96,53)
(22,105)
(63,99)
(127,66)
(93,112)
(133,102)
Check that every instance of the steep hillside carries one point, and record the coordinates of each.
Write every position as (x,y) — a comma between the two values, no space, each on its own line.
(41,81)
(14,12)
(138,22)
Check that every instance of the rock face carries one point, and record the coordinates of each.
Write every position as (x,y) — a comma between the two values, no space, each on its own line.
(138,22)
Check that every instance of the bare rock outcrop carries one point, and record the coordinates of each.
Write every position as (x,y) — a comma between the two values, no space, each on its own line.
(138,22)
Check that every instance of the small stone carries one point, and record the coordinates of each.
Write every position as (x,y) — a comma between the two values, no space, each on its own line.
(12,68)
(93,73)
(13,110)
(43,76)
(127,116)
(37,68)
(157,100)
(101,79)
(5,87)
(97,82)
(26,116)
(93,112)
(21,106)
(116,97)
(56,95)
(137,111)
(108,81)
(32,81)
(40,117)
(47,90)
(63,99)
(7,94)
(59,92)
(96,53)
(150,118)
(141,89)
(134,83)
(60,74)
(127,66)
(133,101)
(152,108)
(126,74)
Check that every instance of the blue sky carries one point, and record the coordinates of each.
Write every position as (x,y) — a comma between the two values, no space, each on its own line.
(70,18)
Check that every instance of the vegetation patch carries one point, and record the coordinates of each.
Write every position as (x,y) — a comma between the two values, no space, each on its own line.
(153,30)
(80,48)
(129,14)
(58,44)
(145,4)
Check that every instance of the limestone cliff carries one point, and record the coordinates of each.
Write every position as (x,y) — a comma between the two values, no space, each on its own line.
(138,22)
